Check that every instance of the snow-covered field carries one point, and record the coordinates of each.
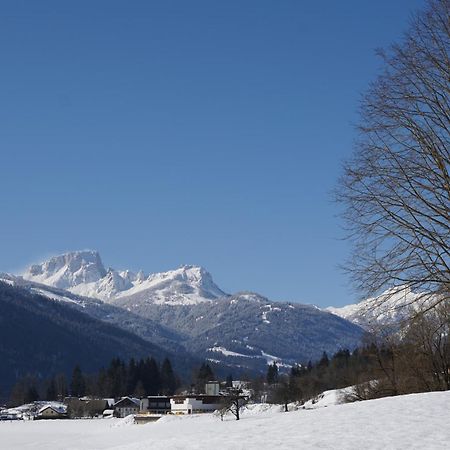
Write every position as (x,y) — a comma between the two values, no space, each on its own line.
(418,421)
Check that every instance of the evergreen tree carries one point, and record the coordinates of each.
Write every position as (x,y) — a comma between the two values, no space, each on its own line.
(132,376)
(139,390)
(52,392)
(204,375)
(150,377)
(117,375)
(324,361)
(272,373)
(61,386)
(168,379)
(31,394)
(229,381)
(78,383)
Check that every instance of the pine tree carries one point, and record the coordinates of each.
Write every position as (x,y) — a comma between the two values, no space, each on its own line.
(324,361)
(272,373)
(150,377)
(52,393)
(168,379)
(61,386)
(78,383)
(31,395)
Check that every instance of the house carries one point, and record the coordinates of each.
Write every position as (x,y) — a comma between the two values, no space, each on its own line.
(195,403)
(155,404)
(126,406)
(212,388)
(52,412)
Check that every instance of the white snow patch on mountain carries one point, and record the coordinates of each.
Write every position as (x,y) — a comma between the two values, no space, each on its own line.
(226,352)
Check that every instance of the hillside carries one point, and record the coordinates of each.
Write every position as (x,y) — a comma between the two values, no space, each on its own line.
(248,330)
(44,337)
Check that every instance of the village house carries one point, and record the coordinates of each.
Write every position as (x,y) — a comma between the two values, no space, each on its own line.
(155,404)
(195,403)
(51,412)
(126,406)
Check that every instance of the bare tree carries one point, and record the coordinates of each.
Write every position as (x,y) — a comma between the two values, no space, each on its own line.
(428,337)
(232,403)
(396,187)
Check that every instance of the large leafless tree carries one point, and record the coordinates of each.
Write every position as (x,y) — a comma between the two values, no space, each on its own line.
(396,186)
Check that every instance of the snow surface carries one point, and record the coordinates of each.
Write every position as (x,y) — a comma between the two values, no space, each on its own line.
(417,421)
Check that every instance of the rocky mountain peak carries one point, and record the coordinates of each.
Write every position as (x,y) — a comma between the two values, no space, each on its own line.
(68,270)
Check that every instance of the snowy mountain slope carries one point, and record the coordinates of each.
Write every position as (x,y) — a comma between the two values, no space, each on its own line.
(187,285)
(249,331)
(83,273)
(390,308)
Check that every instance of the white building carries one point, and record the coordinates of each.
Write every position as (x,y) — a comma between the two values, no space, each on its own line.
(195,403)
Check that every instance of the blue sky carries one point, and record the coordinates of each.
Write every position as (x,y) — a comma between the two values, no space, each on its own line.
(174,132)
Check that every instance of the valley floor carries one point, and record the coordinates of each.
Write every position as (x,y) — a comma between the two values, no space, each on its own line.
(405,422)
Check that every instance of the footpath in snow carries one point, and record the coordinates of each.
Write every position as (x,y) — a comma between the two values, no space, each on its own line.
(417,421)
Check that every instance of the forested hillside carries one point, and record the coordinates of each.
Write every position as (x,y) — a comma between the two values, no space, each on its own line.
(42,337)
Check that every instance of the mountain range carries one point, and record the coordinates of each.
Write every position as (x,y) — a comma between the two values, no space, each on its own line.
(184,313)
(83,273)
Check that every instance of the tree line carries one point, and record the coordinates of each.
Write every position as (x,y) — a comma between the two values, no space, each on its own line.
(415,360)
(136,377)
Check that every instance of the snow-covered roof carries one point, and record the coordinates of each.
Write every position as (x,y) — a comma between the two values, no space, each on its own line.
(136,401)
(58,409)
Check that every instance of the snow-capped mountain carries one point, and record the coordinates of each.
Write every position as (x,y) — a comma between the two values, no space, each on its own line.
(183,310)
(391,307)
(69,270)
(187,285)
(83,273)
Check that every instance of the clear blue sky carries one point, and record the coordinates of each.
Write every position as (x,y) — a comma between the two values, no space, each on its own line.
(171,132)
